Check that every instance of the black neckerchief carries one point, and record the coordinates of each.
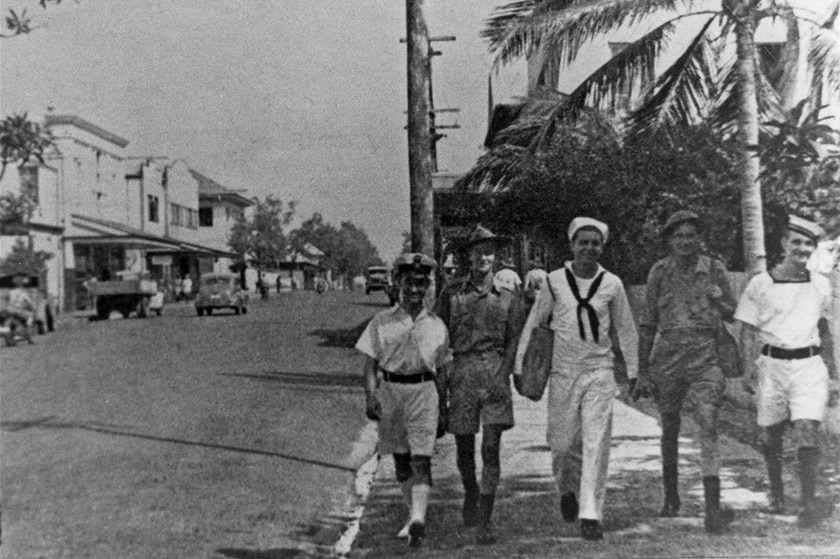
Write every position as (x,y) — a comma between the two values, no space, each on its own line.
(584,304)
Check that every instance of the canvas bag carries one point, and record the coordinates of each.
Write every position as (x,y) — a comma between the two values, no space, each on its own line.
(536,366)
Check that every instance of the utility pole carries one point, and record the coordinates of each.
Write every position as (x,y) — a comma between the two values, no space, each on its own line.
(419,129)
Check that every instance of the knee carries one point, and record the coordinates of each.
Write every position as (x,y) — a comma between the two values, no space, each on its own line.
(807,433)
(421,470)
(402,466)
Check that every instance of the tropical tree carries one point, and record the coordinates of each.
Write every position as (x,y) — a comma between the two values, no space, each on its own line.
(718,78)
(347,249)
(260,238)
(21,141)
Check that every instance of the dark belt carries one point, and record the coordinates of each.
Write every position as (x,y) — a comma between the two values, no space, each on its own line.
(408,379)
(798,353)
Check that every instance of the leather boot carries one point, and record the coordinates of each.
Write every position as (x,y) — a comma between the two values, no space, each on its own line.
(670,459)
(485,534)
(717,518)
(813,510)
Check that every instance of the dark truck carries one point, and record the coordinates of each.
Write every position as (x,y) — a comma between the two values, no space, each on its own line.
(378,279)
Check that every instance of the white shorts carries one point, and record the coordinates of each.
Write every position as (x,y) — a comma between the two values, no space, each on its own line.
(791,389)
(409,418)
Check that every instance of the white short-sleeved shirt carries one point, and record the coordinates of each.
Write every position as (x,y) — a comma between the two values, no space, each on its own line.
(404,346)
(786,313)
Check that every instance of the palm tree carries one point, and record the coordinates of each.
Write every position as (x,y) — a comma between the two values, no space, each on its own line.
(709,80)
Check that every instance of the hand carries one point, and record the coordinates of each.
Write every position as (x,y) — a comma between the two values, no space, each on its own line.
(643,388)
(713,292)
(373,409)
(748,384)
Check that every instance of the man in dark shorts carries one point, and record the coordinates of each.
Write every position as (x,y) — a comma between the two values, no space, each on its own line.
(687,296)
(484,324)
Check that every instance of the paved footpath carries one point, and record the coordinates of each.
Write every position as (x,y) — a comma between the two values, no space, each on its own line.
(527,517)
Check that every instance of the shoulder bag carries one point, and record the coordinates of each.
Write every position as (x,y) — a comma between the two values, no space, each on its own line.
(536,365)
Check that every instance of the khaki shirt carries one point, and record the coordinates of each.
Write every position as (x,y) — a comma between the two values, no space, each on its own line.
(480,319)
(676,299)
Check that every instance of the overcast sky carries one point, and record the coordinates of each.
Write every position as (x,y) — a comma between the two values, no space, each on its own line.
(303,99)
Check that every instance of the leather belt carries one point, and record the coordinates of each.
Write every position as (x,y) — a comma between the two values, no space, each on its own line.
(408,379)
(789,354)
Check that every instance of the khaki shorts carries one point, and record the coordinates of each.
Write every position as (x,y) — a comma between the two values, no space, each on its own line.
(791,389)
(409,418)
(685,370)
(470,401)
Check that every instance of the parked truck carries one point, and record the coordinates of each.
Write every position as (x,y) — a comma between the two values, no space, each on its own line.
(130,293)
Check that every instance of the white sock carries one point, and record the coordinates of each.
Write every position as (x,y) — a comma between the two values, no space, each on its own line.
(419,502)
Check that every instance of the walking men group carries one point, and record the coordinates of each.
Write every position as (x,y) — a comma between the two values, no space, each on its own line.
(448,370)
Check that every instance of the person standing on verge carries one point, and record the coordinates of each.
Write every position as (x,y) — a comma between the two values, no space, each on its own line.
(484,323)
(533,283)
(585,302)
(787,310)
(409,347)
(687,296)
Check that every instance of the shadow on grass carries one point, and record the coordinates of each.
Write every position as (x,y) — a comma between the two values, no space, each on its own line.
(281,553)
(340,337)
(302,381)
(106,429)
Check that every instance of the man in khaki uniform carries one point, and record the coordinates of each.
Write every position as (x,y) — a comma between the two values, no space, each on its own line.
(484,323)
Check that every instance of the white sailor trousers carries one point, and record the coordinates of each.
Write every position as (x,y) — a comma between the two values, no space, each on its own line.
(580,404)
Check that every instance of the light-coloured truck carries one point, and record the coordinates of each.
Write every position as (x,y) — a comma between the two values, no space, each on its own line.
(131,292)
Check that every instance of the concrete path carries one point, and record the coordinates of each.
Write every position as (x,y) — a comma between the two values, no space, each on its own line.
(527,513)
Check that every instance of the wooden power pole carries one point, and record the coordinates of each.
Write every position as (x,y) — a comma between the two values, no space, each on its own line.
(419,130)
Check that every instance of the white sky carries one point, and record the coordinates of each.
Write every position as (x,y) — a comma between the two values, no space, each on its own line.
(302,99)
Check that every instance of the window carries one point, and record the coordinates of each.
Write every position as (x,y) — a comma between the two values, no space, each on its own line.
(183,216)
(205,217)
(154,203)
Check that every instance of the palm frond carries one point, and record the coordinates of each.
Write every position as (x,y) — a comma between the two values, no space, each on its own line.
(681,93)
(824,58)
(606,84)
(724,115)
(523,27)
(495,170)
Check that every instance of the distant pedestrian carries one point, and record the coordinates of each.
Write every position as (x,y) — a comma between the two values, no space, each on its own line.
(279,282)
(484,323)
(584,302)
(408,347)
(687,296)
(186,287)
(787,310)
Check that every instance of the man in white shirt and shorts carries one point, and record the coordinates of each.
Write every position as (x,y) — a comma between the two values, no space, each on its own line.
(407,347)
(787,310)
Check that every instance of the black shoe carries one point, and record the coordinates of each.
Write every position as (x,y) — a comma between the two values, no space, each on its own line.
(814,512)
(671,508)
(485,535)
(777,505)
(569,506)
(591,530)
(416,534)
(470,511)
